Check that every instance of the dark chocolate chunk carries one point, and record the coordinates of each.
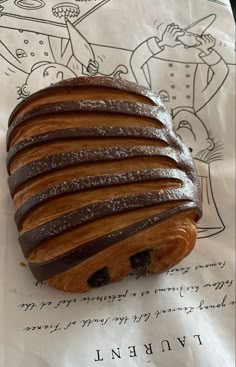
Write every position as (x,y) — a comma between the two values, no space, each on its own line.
(100,278)
(140,260)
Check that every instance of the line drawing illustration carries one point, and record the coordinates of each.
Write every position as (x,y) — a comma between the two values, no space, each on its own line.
(72,54)
(192,73)
(218,2)
(205,149)
(30,4)
(187,87)
(146,55)
(66,10)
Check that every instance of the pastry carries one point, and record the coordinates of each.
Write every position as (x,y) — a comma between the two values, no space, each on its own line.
(101,183)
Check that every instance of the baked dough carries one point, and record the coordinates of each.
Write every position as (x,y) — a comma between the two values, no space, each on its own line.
(101,183)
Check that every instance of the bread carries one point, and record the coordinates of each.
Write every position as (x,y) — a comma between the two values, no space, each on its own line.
(101,184)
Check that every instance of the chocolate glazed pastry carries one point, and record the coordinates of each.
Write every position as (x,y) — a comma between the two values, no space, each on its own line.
(101,183)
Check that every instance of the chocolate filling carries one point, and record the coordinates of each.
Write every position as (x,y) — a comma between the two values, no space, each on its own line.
(63,160)
(44,271)
(91,81)
(85,132)
(124,108)
(99,278)
(96,181)
(141,260)
(33,238)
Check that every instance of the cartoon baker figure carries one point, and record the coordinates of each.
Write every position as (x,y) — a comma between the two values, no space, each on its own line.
(51,51)
(191,73)
(191,70)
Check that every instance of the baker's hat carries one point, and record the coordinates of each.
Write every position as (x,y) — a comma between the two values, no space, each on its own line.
(200,26)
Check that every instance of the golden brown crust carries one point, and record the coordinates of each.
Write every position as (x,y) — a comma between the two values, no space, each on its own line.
(41,183)
(168,244)
(96,174)
(70,86)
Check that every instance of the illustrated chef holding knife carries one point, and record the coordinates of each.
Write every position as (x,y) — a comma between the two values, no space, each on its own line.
(62,52)
(191,71)
(188,73)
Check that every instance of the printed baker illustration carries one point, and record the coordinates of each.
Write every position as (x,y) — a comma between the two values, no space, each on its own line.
(192,73)
(52,51)
(180,62)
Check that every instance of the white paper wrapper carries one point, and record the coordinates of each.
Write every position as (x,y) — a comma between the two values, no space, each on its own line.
(186,316)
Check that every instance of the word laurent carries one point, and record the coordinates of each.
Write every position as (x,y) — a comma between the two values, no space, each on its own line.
(133,351)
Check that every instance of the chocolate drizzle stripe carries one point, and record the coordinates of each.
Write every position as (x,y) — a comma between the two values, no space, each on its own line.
(117,107)
(66,222)
(92,182)
(86,132)
(88,82)
(63,160)
(44,271)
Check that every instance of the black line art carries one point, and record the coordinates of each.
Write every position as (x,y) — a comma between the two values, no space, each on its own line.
(72,54)
(205,149)
(146,55)
(66,10)
(42,26)
(218,2)
(192,73)
(30,4)
(187,87)
(92,10)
